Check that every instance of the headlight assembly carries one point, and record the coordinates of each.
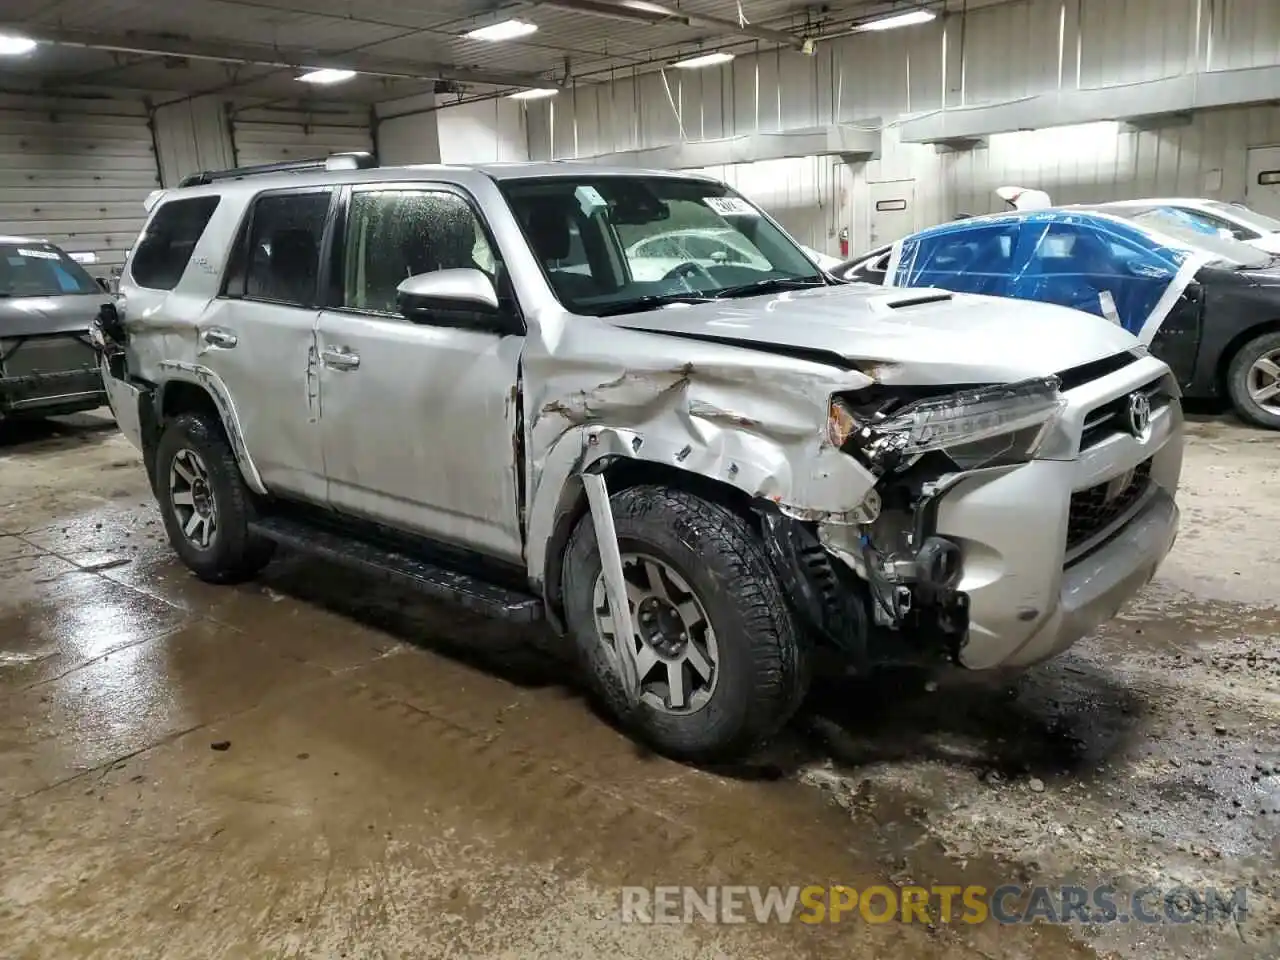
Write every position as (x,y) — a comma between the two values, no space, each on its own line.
(976,427)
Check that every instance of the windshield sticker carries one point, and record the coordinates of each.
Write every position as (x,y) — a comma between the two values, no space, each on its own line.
(590,198)
(731,206)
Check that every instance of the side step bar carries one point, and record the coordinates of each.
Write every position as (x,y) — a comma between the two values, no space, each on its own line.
(430,579)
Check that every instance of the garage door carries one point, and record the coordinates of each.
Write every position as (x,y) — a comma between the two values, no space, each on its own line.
(272,136)
(76,172)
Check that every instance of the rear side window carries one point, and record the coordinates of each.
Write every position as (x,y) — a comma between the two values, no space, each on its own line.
(166,245)
(279,260)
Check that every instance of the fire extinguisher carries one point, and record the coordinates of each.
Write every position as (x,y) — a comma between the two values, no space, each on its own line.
(844,242)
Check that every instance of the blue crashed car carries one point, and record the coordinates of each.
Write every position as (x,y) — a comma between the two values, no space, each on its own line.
(1208,306)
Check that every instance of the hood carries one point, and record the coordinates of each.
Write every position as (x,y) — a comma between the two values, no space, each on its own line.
(37,316)
(938,338)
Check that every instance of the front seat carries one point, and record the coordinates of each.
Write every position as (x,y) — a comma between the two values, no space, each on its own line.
(551,240)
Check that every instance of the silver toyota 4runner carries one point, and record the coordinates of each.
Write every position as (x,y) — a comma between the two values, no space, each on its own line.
(467,379)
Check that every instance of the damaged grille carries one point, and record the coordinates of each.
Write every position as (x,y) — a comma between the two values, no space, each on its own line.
(1095,509)
(1112,417)
(41,356)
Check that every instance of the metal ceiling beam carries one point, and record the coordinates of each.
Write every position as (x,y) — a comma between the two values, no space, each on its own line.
(642,11)
(165,45)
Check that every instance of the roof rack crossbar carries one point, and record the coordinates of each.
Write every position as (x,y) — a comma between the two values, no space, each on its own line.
(355,160)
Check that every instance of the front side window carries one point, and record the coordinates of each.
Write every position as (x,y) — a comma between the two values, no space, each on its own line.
(396,234)
(165,248)
(614,244)
(280,261)
(36,269)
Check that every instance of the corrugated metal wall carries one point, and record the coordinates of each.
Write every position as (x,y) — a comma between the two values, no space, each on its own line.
(483,132)
(76,172)
(270,135)
(995,54)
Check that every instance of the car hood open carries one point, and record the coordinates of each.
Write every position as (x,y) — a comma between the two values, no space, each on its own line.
(936,337)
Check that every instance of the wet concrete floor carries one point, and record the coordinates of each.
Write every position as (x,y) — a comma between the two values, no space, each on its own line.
(315,765)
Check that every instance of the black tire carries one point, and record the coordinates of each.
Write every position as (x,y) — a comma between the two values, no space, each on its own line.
(233,554)
(762,669)
(1238,381)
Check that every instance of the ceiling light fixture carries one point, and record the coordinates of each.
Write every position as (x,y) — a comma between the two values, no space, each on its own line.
(327,76)
(703,60)
(506,30)
(534,93)
(12,45)
(909,19)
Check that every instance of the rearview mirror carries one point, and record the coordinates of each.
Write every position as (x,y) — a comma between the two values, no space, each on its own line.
(448,290)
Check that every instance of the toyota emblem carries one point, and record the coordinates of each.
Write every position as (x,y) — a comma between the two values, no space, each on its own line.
(1139,413)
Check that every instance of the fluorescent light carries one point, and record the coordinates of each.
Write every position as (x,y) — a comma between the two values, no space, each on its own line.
(900,20)
(703,60)
(12,45)
(327,76)
(536,93)
(506,30)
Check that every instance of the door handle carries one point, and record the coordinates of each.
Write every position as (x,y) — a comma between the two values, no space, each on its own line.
(340,358)
(217,337)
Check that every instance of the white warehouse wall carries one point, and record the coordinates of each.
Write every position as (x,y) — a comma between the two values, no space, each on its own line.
(995,54)
(483,132)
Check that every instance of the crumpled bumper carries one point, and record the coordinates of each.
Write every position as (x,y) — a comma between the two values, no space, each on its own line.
(1034,590)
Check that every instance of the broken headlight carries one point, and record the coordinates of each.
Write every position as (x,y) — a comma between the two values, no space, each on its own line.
(976,427)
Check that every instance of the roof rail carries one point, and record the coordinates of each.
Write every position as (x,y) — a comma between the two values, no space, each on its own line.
(337,161)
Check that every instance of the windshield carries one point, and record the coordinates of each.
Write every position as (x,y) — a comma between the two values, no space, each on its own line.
(40,270)
(1259,221)
(1176,225)
(612,244)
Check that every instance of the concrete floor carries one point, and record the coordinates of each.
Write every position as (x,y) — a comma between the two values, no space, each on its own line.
(403,781)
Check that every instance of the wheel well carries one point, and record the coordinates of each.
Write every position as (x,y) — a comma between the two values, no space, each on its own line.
(181,397)
(1232,348)
(621,475)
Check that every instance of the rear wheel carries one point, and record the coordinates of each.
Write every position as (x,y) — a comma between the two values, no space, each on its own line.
(1253,381)
(205,504)
(719,655)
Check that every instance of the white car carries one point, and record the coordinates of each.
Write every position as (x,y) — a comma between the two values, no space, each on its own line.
(1232,220)
(653,257)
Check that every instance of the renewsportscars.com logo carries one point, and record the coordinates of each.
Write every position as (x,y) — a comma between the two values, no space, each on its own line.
(1009,904)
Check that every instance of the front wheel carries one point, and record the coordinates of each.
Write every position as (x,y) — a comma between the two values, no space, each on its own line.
(205,504)
(719,655)
(1253,381)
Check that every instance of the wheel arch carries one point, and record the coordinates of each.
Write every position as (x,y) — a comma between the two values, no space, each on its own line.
(622,473)
(192,388)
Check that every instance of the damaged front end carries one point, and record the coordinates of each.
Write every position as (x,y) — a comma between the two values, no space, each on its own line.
(894,594)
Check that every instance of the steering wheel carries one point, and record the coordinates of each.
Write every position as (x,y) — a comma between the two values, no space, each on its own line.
(686,271)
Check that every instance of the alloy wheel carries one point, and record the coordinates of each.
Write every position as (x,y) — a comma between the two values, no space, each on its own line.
(676,656)
(1264,381)
(191,494)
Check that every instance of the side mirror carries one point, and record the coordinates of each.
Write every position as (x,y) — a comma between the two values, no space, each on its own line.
(446,291)
(103,284)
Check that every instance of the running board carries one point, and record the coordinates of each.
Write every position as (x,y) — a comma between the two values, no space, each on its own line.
(432,580)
